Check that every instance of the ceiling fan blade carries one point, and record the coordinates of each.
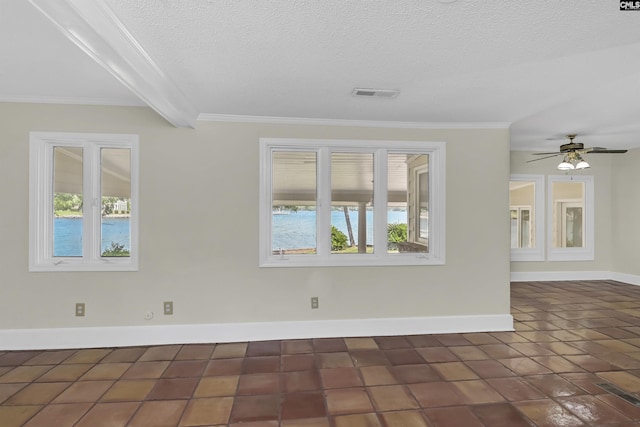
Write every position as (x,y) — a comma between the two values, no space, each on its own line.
(542,158)
(546,154)
(596,150)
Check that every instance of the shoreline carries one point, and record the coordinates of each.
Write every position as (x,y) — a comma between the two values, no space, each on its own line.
(81,216)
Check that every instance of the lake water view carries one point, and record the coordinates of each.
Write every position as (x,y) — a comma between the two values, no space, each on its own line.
(291,230)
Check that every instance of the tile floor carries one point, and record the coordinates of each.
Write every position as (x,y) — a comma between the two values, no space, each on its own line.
(574,360)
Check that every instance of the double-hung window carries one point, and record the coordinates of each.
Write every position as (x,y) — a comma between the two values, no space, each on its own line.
(351,202)
(83,210)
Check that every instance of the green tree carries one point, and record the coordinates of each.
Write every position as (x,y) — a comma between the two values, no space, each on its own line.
(338,239)
(396,233)
(116,249)
(67,202)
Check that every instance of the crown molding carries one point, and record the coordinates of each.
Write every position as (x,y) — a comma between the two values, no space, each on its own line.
(95,29)
(205,117)
(70,101)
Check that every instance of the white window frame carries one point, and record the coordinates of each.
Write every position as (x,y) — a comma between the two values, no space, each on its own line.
(418,172)
(41,146)
(587,252)
(537,253)
(380,256)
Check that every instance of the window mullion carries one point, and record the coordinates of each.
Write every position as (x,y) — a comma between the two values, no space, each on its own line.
(91,225)
(380,186)
(323,211)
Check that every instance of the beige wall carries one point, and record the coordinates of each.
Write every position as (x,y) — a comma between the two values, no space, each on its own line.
(601,170)
(625,231)
(199,228)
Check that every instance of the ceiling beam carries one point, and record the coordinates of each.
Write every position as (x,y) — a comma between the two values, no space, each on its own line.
(93,27)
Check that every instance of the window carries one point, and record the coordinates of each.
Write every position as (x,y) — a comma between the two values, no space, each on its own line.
(571,211)
(526,215)
(344,202)
(83,202)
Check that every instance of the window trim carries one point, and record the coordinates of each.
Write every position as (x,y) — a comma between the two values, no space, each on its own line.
(323,257)
(587,252)
(537,253)
(41,145)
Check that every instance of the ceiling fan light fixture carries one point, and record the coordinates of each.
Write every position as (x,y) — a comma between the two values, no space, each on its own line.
(582,165)
(565,165)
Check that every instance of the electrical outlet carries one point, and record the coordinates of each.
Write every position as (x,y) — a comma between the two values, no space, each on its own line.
(314,302)
(80,309)
(168,307)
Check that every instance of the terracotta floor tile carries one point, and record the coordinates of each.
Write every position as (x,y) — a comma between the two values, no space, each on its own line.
(500,415)
(340,378)
(300,381)
(92,355)
(229,351)
(53,357)
(145,370)
(411,374)
(454,371)
(195,352)
(500,351)
(297,346)
(389,343)
(124,355)
(469,352)
(259,407)
(561,348)
(554,385)
(392,398)
(59,415)
(298,362)
(128,390)
(369,357)
(591,363)
(481,338)
(263,348)
(361,344)
(38,393)
(592,410)
(185,368)
(109,414)
(64,373)
(106,371)
(16,416)
(515,389)
(510,337)
(268,423)
(452,416)
(489,369)
(586,381)
(377,375)
(15,358)
(451,340)
(624,407)
(557,364)
(358,420)
(403,357)
(24,374)
(437,354)
(157,353)
(84,391)
(329,345)
(302,405)
(547,413)
(8,390)
(476,392)
(261,364)
(268,383)
(532,349)
(348,401)
(306,422)
(166,413)
(525,366)
(217,386)
(333,360)
(436,394)
(224,367)
(423,341)
(208,411)
(404,419)
(173,389)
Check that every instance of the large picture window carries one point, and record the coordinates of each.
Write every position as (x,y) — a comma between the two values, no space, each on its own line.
(526,216)
(83,202)
(328,202)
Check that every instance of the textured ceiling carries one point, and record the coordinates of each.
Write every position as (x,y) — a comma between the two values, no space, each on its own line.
(548,68)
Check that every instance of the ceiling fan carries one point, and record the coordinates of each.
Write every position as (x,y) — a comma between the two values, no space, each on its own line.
(572,154)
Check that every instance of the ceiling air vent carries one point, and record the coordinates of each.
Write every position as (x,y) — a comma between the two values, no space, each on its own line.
(375,93)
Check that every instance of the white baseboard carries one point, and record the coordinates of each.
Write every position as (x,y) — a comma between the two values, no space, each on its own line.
(545,276)
(631,279)
(94,337)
